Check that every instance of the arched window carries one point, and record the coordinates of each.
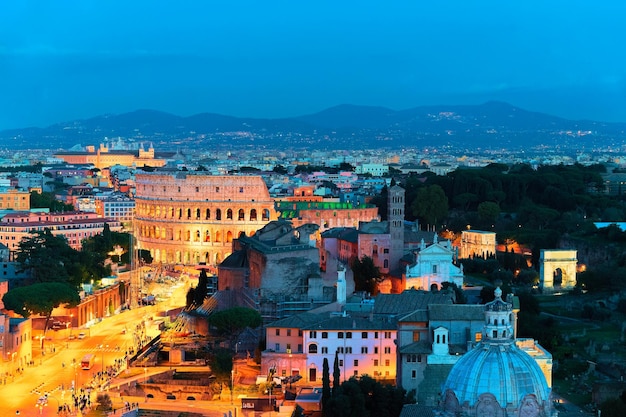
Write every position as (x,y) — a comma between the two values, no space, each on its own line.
(229,214)
(197,236)
(180,213)
(189,213)
(207,236)
(240,215)
(266,214)
(218,214)
(229,236)
(207,216)
(197,214)
(312,348)
(253,215)
(242,234)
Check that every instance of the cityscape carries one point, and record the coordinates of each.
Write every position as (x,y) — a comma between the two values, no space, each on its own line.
(232,209)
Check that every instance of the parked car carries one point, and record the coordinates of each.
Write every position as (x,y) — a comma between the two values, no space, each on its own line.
(82,335)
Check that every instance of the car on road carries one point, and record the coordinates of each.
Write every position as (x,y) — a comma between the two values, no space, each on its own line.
(82,335)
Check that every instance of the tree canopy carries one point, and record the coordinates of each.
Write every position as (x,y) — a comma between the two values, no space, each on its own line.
(40,298)
(234,320)
(366,274)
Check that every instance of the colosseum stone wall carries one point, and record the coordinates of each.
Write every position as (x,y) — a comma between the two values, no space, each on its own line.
(192,217)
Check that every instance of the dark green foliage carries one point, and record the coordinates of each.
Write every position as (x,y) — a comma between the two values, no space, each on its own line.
(366,275)
(234,320)
(613,408)
(202,290)
(221,364)
(279,169)
(104,402)
(47,200)
(50,259)
(40,298)
(430,205)
(459,294)
(364,397)
(325,384)
(336,375)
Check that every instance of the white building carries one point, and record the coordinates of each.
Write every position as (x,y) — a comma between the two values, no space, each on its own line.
(433,266)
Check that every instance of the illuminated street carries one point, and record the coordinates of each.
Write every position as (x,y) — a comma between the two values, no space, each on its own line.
(57,369)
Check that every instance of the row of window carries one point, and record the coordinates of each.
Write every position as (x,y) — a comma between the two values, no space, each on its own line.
(200,214)
(346,335)
(342,349)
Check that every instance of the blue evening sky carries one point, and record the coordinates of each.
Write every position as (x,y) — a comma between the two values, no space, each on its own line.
(73,59)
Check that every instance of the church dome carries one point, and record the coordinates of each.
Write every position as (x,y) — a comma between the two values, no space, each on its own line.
(497,378)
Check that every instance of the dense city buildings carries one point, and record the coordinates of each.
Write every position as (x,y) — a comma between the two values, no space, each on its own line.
(74,226)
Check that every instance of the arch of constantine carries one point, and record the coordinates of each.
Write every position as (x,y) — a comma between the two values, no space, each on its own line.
(551,262)
(192,217)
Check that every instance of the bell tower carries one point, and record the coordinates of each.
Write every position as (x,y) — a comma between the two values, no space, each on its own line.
(395,217)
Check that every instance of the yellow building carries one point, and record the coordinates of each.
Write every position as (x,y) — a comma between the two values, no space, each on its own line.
(190,217)
(14,199)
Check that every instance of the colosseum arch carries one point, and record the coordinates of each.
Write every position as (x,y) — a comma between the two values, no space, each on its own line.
(557,263)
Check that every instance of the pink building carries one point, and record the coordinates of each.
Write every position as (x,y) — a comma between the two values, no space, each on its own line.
(74,226)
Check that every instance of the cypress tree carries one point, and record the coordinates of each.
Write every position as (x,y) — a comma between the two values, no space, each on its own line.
(325,385)
(336,375)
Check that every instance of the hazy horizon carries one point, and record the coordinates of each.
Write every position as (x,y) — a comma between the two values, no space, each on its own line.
(76,60)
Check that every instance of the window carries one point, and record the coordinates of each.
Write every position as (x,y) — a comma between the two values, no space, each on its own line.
(434,269)
(356,362)
(300,332)
(416,336)
(375,362)
(288,332)
(277,332)
(387,349)
(349,349)
(277,347)
(340,362)
(387,335)
(312,348)
(340,335)
(386,362)
(363,335)
(375,335)
(364,349)
(348,335)
(313,334)
(299,347)
(324,335)
(217,189)
(324,350)
(356,373)
(376,349)
(289,347)
(413,374)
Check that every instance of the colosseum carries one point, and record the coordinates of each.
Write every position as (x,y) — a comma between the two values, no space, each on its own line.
(191,217)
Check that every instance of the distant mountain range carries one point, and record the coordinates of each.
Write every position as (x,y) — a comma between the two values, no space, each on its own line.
(492,125)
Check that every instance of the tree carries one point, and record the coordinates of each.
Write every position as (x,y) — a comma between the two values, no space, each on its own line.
(488,211)
(325,384)
(40,298)
(366,274)
(231,322)
(430,204)
(221,364)
(279,169)
(202,289)
(336,375)
(46,256)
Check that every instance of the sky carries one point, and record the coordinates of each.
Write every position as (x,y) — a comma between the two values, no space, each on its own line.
(75,59)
